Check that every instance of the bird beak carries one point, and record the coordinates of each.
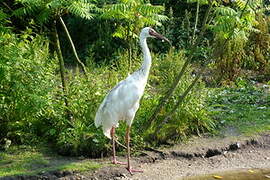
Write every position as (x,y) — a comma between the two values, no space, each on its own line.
(159,36)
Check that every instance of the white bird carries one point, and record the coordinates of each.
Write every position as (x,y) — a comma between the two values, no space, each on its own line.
(122,102)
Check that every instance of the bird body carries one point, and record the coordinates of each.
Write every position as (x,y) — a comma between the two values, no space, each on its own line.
(122,102)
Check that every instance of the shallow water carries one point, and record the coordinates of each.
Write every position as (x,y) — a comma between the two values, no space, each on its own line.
(243,174)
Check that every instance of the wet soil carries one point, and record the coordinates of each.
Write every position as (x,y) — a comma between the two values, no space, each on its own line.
(197,157)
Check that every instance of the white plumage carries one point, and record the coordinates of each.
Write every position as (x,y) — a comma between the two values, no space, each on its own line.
(122,102)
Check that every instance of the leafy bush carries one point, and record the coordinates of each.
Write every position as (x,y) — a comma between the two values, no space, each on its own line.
(26,83)
(191,116)
(258,47)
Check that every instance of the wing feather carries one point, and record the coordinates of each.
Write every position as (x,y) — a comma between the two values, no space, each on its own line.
(118,104)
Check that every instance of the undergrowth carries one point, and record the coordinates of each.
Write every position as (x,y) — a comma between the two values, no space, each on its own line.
(245,108)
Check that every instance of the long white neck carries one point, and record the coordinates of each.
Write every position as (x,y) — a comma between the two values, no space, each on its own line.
(147,60)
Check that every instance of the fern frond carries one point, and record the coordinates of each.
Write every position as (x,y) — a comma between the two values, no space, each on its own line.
(149,9)
(44,16)
(81,9)
(118,11)
(225,11)
(54,4)
(240,4)
(27,10)
(159,19)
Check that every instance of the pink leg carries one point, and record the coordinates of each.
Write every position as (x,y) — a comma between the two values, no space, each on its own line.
(128,153)
(114,161)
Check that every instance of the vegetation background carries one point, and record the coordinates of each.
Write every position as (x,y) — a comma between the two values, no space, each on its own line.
(59,58)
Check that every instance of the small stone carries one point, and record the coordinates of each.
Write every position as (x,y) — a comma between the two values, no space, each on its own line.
(267,176)
(124,175)
(235,146)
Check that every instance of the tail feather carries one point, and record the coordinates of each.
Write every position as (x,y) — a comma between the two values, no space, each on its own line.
(101,120)
(98,119)
(105,119)
(99,116)
(107,132)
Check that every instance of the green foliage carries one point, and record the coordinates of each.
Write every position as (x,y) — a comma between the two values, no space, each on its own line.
(131,15)
(85,96)
(258,47)
(232,28)
(44,11)
(191,117)
(3,22)
(244,108)
(31,97)
(138,13)
(27,79)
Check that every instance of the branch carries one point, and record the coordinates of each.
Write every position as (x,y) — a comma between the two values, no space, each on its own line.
(62,70)
(196,21)
(7,6)
(72,45)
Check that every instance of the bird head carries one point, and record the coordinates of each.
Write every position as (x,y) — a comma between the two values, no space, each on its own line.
(150,32)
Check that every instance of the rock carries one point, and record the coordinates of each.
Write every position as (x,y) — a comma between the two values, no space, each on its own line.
(235,146)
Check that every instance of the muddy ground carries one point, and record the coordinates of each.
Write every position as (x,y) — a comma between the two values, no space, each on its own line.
(198,156)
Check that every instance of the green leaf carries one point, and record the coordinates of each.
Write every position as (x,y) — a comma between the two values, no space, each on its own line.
(225,11)
(81,9)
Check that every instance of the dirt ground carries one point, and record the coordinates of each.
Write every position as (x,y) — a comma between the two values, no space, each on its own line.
(198,156)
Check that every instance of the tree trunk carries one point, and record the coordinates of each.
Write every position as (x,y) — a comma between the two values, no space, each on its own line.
(72,45)
(62,69)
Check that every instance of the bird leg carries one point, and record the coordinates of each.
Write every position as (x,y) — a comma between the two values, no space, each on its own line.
(114,161)
(128,153)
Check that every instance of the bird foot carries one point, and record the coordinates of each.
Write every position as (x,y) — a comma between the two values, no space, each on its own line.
(118,162)
(130,170)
